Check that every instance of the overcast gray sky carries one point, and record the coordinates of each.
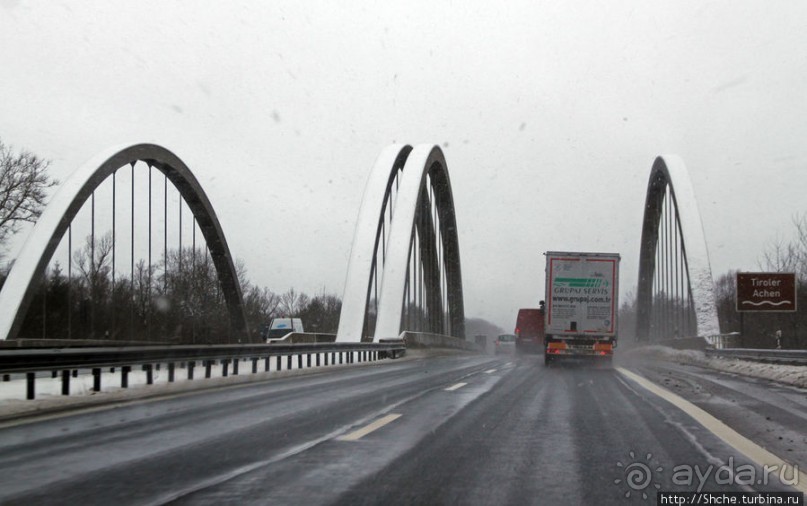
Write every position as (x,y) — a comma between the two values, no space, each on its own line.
(550,115)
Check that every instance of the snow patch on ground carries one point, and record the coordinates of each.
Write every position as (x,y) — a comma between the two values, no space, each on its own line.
(794,375)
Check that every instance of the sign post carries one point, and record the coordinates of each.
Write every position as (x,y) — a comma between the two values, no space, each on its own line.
(765,292)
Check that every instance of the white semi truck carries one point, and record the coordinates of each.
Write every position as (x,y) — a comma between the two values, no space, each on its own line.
(580,318)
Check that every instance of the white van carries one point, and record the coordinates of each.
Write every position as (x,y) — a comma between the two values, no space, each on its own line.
(280,327)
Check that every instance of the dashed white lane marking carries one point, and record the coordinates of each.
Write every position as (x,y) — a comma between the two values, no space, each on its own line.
(455,387)
(490,371)
(358,434)
(753,451)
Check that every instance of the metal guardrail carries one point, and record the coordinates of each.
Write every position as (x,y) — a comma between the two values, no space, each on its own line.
(723,341)
(428,340)
(69,360)
(717,341)
(797,357)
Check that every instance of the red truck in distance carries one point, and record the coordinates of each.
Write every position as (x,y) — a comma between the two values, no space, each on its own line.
(530,330)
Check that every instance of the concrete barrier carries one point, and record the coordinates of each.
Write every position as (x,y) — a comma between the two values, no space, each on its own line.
(304,337)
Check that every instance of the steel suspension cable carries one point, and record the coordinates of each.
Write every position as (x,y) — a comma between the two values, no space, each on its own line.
(148,287)
(92,266)
(131,270)
(114,247)
(69,280)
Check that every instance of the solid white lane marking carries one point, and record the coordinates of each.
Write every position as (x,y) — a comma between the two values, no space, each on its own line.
(455,387)
(753,451)
(356,435)
(490,371)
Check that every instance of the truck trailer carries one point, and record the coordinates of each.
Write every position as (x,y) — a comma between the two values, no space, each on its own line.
(581,305)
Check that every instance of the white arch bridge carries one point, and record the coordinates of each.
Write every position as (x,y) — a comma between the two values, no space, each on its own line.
(404,272)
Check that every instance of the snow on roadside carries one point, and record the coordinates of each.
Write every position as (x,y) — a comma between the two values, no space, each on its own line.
(795,375)
(49,398)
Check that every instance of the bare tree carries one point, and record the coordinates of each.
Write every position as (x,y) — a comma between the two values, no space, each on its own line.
(788,256)
(779,256)
(800,245)
(726,299)
(143,291)
(23,185)
(783,256)
(94,284)
(260,306)
(193,307)
(321,313)
(94,263)
(291,303)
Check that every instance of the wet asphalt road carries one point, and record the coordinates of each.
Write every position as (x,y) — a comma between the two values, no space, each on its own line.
(460,430)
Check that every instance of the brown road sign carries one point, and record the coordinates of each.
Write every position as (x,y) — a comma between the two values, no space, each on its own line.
(766,291)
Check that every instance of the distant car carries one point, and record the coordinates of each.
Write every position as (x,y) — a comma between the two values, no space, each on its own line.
(505,343)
